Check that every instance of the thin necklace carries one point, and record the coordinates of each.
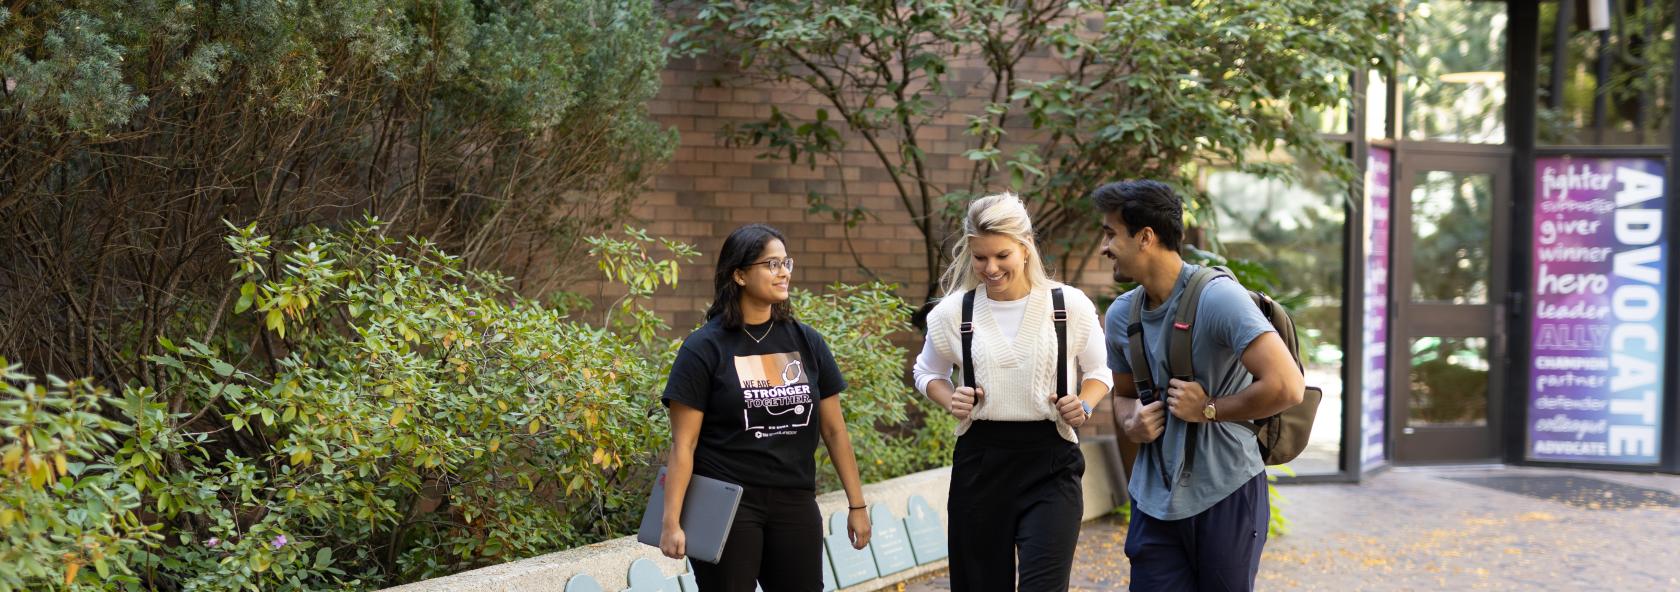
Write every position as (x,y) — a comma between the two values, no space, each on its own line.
(766,331)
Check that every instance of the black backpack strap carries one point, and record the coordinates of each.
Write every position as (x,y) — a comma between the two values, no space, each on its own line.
(1143,377)
(967,331)
(1180,361)
(1179,354)
(1061,318)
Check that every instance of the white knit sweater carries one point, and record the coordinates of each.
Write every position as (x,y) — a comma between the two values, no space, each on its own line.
(1019,377)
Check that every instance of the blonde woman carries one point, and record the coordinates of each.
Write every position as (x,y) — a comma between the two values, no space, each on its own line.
(1015,479)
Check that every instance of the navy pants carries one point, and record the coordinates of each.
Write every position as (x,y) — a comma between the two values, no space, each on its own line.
(775,542)
(1015,496)
(1218,549)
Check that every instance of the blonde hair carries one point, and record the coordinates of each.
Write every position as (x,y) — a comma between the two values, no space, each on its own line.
(1002,214)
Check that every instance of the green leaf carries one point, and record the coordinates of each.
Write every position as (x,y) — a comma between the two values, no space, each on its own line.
(167,361)
(247,295)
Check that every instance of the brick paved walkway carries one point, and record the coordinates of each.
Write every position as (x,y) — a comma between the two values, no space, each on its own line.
(1426,529)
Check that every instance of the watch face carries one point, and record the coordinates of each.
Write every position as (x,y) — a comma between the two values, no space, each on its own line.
(1208,411)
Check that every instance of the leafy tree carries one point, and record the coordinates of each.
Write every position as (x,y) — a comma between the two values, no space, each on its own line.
(392,417)
(1444,38)
(1135,89)
(1637,94)
(507,132)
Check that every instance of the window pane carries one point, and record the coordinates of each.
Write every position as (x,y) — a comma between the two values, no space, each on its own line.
(1451,222)
(1633,102)
(1376,106)
(1454,62)
(1294,230)
(1449,382)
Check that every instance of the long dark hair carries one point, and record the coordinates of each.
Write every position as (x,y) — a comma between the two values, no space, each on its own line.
(742,248)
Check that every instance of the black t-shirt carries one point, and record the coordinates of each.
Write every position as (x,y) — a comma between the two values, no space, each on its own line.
(760,400)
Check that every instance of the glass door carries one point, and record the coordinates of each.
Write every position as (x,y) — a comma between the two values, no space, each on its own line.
(1450,257)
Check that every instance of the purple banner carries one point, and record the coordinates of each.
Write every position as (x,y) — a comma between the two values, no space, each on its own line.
(1374,389)
(1596,358)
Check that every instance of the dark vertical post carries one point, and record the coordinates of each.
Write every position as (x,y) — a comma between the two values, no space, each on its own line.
(1353,289)
(1671,391)
(1601,79)
(1522,59)
(1560,53)
(1640,47)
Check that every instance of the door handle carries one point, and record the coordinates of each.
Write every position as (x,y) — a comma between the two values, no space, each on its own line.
(1499,331)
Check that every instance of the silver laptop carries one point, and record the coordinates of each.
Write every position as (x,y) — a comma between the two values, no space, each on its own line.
(708,510)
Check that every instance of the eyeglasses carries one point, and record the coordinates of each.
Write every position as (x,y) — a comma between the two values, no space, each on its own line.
(773,263)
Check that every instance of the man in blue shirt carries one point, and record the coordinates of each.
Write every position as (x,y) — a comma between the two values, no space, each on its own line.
(1202,526)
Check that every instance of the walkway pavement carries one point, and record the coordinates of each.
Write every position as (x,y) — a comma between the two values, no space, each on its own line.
(1438,529)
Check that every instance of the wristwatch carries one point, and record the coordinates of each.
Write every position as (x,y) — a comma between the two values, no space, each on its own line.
(1086,407)
(1209,412)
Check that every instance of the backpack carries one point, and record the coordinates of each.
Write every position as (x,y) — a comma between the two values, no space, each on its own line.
(1281,437)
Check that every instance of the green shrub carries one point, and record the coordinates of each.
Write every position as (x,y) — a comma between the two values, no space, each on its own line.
(391,417)
(63,508)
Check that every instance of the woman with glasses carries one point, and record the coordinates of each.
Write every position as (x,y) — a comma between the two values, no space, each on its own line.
(1015,476)
(749,394)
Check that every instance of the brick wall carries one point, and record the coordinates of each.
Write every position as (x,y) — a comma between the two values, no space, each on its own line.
(709,189)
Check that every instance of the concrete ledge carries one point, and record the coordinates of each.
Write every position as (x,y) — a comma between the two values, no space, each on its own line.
(608,562)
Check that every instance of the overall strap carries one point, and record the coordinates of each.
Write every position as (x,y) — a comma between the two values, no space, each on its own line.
(1061,318)
(967,331)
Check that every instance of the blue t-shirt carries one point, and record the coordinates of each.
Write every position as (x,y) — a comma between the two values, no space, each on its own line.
(1226,453)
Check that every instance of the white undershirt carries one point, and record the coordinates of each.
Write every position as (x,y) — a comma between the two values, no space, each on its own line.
(931,366)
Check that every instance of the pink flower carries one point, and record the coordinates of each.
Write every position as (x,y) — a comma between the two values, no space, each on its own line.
(212,542)
(279,541)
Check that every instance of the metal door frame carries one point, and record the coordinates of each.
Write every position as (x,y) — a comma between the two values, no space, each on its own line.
(1448,444)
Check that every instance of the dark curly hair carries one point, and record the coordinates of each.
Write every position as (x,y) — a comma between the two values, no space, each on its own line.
(1144,204)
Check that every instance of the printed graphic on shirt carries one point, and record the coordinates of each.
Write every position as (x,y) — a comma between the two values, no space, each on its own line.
(775,394)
